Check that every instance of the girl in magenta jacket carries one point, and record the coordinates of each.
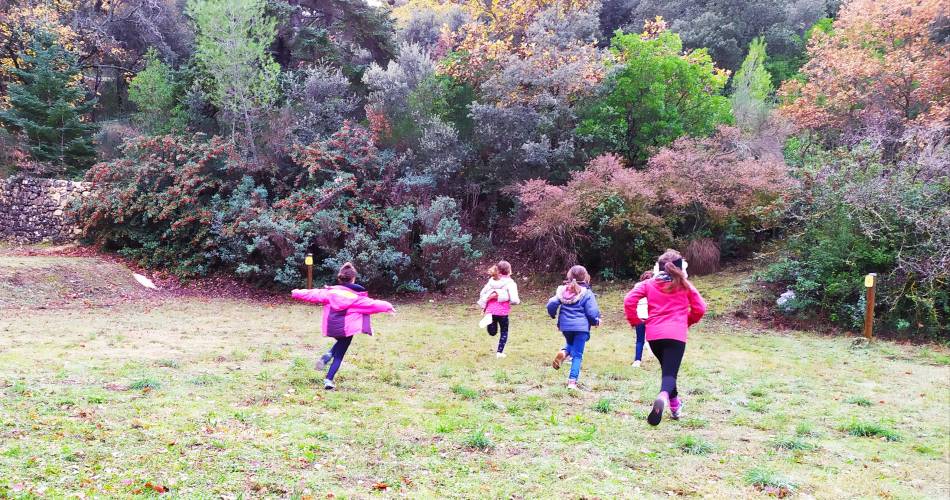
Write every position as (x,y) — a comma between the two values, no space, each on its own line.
(673,305)
(346,312)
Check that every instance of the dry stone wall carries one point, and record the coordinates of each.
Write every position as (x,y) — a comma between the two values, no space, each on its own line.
(34,210)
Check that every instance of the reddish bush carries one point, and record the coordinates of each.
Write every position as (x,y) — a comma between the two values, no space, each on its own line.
(702,255)
(625,217)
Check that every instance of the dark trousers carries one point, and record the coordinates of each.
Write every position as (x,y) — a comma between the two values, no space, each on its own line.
(337,352)
(499,323)
(669,353)
(641,334)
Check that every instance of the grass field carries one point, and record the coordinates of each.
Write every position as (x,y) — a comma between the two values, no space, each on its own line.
(218,398)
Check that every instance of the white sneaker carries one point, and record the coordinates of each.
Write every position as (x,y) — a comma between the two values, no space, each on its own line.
(328,384)
(636,364)
(500,355)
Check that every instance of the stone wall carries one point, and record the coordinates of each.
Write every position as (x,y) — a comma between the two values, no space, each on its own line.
(36,210)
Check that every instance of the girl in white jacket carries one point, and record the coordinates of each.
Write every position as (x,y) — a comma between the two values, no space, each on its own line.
(496,298)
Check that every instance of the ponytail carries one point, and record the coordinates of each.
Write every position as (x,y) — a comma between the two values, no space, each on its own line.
(670,263)
(493,272)
(677,275)
(575,276)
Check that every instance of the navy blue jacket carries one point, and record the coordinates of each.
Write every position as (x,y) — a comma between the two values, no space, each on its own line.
(574,313)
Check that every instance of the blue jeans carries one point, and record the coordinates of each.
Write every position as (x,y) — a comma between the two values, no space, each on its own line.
(641,335)
(575,348)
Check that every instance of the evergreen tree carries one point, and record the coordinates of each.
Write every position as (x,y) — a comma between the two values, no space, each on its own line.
(751,89)
(155,93)
(48,103)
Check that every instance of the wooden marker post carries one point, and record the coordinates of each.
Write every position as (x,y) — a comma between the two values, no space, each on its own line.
(870,282)
(309,262)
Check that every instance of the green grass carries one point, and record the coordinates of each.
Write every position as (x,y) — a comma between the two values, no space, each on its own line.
(604,405)
(870,429)
(145,383)
(792,444)
(227,403)
(859,401)
(768,479)
(478,440)
(465,392)
(693,445)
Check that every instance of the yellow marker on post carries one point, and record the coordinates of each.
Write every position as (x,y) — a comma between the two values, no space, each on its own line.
(869,285)
(308,260)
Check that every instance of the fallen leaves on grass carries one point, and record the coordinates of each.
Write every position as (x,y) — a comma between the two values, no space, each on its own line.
(157,488)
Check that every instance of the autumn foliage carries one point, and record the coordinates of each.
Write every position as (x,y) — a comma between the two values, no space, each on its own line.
(883,68)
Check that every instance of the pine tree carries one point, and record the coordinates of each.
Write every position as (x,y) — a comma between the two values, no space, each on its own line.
(47,105)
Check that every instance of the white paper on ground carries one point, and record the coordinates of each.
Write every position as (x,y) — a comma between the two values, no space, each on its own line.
(144,281)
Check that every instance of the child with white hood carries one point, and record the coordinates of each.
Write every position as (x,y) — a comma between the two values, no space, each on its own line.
(496,299)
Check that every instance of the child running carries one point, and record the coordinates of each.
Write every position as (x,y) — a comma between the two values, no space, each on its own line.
(496,298)
(642,327)
(575,307)
(673,305)
(346,312)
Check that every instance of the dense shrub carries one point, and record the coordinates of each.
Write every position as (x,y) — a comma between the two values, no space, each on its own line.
(617,219)
(184,204)
(153,204)
(863,215)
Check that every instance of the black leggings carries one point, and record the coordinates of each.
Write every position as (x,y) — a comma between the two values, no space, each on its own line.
(499,323)
(669,353)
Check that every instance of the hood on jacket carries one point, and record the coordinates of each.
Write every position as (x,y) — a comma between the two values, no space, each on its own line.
(499,283)
(567,296)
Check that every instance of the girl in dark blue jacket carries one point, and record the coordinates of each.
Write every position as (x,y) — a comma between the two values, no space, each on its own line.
(575,307)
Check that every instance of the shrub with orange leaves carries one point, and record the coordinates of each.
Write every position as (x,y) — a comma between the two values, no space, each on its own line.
(881,70)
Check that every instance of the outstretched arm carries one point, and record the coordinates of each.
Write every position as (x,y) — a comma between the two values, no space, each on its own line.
(367,305)
(313,295)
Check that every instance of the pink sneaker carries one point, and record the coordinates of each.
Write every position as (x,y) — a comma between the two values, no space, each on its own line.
(676,408)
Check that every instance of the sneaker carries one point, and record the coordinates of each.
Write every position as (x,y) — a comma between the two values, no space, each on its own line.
(676,408)
(500,355)
(559,359)
(656,414)
(572,385)
(322,361)
(328,384)
(636,364)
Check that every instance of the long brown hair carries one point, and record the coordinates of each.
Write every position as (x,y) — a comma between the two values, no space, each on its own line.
(575,276)
(666,262)
(502,268)
(347,273)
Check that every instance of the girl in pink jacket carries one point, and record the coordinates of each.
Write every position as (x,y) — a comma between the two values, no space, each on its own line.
(346,312)
(673,305)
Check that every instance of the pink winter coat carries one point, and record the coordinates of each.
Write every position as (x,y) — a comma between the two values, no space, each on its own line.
(345,312)
(669,314)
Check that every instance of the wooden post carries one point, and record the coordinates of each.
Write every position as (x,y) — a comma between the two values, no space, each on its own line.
(870,282)
(309,262)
